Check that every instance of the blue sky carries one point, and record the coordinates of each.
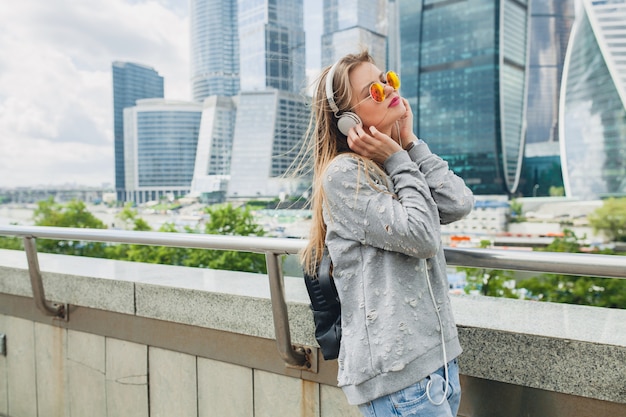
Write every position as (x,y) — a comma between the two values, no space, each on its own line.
(56,119)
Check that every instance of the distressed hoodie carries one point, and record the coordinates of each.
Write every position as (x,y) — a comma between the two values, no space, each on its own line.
(383,236)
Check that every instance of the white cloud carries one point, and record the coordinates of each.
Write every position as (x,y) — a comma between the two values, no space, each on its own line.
(56,122)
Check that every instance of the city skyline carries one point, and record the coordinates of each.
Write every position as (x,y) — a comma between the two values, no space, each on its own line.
(56,99)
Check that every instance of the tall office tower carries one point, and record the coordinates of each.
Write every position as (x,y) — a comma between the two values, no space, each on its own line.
(272,47)
(593,102)
(213,157)
(269,129)
(272,112)
(130,83)
(464,65)
(214,48)
(550,25)
(350,26)
(160,141)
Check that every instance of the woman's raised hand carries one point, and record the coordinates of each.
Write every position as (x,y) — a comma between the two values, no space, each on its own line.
(374,145)
(405,124)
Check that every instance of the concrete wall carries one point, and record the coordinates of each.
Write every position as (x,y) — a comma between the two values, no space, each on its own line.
(51,371)
(153,340)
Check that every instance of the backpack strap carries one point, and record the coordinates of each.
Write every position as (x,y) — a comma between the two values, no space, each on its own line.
(322,290)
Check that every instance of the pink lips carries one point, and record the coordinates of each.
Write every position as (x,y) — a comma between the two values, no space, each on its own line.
(394,101)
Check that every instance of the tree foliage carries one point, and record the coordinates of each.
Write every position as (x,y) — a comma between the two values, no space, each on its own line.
(610,219)
(594,291)
(583,290)
(229,220)
(516,215)
(224,220)
(73,214)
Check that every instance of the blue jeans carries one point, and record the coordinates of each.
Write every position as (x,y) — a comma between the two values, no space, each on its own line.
(413,401)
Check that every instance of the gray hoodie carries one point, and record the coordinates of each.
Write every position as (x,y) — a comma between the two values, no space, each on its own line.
(384,240)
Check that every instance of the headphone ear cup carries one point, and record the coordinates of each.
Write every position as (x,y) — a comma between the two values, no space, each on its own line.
(347,121)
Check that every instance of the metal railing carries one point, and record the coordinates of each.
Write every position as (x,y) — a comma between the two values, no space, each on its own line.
(294,355)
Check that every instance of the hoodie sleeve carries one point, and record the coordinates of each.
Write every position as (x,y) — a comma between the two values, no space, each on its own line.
(396,214)
(454,200)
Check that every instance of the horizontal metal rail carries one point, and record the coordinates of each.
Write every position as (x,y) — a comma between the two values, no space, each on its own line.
(517,260)
(297,356)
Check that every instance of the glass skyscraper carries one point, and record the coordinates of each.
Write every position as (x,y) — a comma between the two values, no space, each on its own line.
(215,142)
(350,25)
(160,139)
(272,47)
(593,102)
(130,83)
(214,48)
(550,25)
(464,69)
(272,112)
(270,127)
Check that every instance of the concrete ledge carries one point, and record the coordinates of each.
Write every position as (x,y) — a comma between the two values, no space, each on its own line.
(556,347)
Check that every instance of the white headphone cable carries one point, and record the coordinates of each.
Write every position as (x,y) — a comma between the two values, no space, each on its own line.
(443,347)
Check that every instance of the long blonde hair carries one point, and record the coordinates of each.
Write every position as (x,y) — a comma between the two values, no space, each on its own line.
(325,143)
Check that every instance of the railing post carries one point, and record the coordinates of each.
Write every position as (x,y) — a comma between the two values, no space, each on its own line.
(46,307)
(296,356)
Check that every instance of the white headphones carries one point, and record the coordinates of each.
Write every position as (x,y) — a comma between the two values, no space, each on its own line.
(346,120)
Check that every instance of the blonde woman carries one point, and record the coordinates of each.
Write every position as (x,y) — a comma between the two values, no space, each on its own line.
(379,199)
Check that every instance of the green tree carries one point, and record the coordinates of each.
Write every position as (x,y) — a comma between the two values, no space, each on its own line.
(516,215)
(131,221)
(601,292)
(229,220)
(167,255)
(611,219)
(224,220)
(130,218)
(233,221)
(72,214)
(489,282)
(556,191)
(11,242)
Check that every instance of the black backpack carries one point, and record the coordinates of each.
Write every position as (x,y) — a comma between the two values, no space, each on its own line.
(326,307)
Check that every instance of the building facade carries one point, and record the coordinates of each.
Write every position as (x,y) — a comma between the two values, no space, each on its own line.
(268,133)
(541,171)
(352,25)
(160,140)
(551,23)
(215,142)
(130,83)
(593,102)
(464,71)
(272,46)
(214,48)
(272,112)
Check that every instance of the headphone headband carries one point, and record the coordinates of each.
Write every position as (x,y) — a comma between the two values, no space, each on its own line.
(330,93)
(347,120)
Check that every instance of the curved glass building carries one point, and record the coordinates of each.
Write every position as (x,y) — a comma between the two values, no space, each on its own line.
(464,69)
(593,99)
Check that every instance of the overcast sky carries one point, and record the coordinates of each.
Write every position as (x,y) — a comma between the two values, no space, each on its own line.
(56,111)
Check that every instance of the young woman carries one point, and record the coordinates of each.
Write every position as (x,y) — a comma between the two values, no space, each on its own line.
(379,199)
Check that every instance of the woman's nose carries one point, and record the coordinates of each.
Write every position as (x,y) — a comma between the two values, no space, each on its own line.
(388,89)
